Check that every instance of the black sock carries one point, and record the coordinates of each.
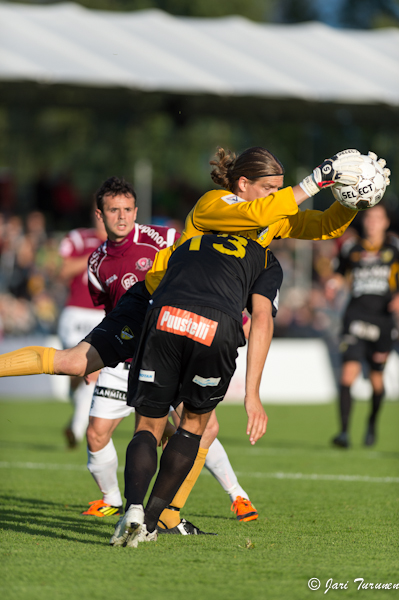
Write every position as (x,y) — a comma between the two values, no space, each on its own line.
(176,463)
(375,407)
(140,468)
(345,404)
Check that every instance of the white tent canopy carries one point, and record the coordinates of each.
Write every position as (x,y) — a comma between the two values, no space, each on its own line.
(154,51)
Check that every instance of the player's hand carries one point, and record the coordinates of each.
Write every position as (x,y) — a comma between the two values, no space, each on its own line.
(343,167)
(257,418)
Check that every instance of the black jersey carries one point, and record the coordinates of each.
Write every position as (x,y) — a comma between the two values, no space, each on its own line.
(216,271)
(268,283)
(374,273)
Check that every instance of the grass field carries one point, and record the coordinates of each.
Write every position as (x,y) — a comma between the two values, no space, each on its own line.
(324,513)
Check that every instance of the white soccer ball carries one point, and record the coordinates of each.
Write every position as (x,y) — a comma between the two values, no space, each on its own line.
(368,191)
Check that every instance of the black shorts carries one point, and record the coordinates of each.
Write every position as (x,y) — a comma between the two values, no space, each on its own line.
(193,365)
(116,337)
(365,335)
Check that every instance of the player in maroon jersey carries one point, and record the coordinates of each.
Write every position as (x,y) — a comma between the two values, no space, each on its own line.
(113,268)
(78,318)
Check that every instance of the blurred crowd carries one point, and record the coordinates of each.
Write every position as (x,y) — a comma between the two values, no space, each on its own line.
(31,291)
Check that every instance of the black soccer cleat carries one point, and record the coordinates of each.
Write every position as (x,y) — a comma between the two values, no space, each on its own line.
(369,439)
(341,440)
(184,528)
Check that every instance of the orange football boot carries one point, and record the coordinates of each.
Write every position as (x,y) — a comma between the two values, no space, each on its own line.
(244,510)
(98,508)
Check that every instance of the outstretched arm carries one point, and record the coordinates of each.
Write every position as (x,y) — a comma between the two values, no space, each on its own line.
(259,341)
(80,360)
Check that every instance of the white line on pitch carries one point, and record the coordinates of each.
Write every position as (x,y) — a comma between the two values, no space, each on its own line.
(318,477)
(326,452)
(257,475)
(41,466)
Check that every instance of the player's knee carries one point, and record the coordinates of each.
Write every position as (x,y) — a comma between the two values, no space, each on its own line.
(210,433)
(96,440)
(350,371)
(212,429)
(378,361)
(92,438)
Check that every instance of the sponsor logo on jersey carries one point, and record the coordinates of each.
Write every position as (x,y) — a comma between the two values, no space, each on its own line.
(183,322)
(372,279)
(128,280)
(148,376)
(261,233)
(127,333)
(386,256)
(94,260)
(154,235)
(232,199)
(105,392)
(111,279)
(365,331)
(206,381)
(143,264)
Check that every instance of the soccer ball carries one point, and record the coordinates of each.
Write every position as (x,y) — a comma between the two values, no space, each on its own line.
(368,191)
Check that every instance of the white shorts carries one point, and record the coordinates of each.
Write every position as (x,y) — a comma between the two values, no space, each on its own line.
(109,397)
(76,322)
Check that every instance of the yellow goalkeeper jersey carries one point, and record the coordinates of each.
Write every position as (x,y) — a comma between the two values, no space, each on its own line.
(276,216)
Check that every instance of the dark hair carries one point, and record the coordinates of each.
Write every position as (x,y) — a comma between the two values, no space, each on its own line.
(114,187)
(382,205)
(253,163)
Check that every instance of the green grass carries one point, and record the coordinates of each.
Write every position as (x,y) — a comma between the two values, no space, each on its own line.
(324,528)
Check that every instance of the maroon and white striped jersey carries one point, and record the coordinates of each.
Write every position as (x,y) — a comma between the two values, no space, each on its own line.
(79,242)
(116,266)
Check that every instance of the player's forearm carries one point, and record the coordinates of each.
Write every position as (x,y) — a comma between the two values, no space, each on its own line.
(80,360)
(299,194)
(318,225)
(72,267)
(260,337)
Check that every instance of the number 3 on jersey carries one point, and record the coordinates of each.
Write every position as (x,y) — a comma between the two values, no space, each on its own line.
(235,240)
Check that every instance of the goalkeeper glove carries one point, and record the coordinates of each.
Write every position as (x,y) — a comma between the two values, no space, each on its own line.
(343,168)
(382,164)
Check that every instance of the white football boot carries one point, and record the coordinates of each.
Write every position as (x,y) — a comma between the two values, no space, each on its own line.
(141,535)
(128,526)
